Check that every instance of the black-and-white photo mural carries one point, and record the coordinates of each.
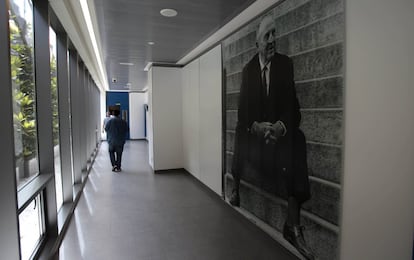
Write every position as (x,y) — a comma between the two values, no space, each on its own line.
(283,111)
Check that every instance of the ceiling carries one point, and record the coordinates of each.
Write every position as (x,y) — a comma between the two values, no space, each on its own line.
(126,26)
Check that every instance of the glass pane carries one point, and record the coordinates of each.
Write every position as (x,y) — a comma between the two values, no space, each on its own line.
(55,113)
(31,227)
(23,84)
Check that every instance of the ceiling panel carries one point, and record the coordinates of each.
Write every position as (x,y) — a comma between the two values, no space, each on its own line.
(126,27)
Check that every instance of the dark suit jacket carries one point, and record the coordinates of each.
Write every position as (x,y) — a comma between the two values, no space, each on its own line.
(117,130)
(281,104)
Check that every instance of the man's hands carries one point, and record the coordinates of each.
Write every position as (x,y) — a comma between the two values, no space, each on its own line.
(268,131)
(261,129)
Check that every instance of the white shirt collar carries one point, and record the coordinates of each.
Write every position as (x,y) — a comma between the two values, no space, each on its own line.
(262,64)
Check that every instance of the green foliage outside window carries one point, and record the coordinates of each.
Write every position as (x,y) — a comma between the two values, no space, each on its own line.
(24,90)
(24,95)
(54,92)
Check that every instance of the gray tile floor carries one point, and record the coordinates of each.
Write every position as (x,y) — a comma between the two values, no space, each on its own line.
(137,214)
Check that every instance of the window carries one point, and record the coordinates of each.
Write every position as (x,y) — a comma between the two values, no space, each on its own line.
(31,227)
(55,115)
(23,84)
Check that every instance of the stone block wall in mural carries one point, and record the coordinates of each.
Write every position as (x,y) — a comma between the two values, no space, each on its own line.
(311,33)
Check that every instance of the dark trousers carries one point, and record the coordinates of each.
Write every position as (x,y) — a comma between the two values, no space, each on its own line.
(115,153)
(294,184)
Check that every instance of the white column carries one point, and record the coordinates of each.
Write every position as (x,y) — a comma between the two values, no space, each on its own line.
(378,185)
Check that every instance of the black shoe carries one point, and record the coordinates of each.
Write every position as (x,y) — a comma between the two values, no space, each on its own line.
(235,199)
(294,235)
(114,168)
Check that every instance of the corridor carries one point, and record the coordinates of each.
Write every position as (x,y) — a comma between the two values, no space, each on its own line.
(136,214)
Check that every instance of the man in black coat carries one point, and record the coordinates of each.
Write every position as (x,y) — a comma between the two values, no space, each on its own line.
(268,140)
(117,130)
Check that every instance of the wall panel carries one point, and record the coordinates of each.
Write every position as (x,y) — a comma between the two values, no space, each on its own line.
(210,119)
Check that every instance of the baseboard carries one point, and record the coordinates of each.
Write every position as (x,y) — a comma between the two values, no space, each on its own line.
(174,170)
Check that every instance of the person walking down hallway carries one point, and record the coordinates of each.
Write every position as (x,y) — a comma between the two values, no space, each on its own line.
(116,129)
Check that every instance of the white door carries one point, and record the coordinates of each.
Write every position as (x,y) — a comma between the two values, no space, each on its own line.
(137,115)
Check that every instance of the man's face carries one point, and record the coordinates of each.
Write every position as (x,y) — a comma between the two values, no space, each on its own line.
(266,39)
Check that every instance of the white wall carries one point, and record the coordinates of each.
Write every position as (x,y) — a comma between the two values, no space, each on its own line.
(150,128)
(190,110)
(202,119)
(378,184)
(103,114)
(137,115)
(146,115)
(211,119)
(167,118)
(146,97)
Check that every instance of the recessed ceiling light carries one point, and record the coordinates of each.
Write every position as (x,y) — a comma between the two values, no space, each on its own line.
(168,12)
(151,43)
(126,63)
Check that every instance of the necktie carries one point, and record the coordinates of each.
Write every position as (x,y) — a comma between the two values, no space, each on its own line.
(264,81)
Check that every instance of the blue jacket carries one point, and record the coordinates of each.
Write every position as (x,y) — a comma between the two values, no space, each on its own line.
(116,130)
